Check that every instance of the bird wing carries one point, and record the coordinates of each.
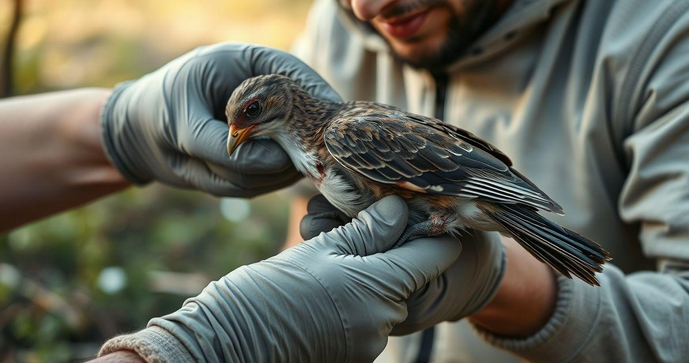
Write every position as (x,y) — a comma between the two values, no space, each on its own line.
(424,155)
(461,134)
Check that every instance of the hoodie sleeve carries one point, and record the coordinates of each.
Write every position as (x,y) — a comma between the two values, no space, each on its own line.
(643,316)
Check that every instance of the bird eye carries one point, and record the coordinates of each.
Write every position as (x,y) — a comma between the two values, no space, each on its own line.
(253,109)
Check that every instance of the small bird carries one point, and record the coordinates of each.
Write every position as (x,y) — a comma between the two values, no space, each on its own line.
(358,152)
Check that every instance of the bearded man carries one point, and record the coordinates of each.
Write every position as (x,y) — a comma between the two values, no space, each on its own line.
(590,99)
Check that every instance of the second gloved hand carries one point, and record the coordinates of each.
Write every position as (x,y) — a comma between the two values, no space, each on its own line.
(462,290)
(168,126)
(333,298)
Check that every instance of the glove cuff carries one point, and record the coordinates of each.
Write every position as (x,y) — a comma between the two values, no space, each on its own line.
(107,122)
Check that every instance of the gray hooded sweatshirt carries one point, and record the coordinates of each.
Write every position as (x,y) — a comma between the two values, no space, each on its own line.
(590,99)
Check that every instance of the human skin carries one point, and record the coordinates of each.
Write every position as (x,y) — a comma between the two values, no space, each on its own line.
(51,155)
(428,33)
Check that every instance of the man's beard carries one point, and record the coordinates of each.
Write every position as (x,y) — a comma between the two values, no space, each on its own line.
(461,34)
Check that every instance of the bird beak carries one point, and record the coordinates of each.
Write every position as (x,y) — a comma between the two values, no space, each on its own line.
(236,137)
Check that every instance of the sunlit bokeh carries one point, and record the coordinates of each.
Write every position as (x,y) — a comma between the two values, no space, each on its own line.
(73,280)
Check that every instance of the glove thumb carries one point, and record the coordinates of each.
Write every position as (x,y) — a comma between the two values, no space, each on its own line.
(374,230)
(322,217)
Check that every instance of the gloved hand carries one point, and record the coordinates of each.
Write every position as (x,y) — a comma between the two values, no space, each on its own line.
(333,298)
(462,290)
(170,125)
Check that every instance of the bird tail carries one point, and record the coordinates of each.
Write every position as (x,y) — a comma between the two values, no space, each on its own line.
(562,249)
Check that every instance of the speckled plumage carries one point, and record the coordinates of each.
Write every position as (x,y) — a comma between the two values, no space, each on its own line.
(358,152)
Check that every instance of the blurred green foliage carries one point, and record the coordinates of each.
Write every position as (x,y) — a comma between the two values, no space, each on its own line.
(69,282)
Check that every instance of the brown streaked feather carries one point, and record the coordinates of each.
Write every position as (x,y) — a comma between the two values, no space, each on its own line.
(422,154)
(464,135)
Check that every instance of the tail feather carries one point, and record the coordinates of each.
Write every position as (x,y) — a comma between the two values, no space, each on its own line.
(564,250)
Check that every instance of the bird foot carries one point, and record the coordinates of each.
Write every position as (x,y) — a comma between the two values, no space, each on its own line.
(434,226)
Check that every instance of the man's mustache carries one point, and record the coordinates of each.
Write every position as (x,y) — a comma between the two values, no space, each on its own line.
(407,7)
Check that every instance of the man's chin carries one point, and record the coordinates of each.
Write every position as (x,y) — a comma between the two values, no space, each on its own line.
(415,61)
(435,50)
(423,56)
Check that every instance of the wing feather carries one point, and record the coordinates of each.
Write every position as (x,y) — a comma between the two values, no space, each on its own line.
(422,154)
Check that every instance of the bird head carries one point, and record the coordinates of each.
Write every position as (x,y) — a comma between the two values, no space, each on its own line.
(260,106)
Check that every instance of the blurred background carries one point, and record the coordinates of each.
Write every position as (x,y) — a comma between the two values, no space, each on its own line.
(69,282)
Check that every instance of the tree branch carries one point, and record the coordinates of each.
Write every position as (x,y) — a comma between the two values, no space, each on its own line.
(7,66)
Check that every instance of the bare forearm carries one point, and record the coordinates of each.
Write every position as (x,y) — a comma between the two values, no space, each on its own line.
(525,299)
(51,156)
(296,213)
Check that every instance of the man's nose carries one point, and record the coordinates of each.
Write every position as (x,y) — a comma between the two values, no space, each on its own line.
(368,9)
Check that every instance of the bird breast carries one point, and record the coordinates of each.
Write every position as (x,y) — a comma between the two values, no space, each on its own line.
(342,193)
(350,194)
(336,185)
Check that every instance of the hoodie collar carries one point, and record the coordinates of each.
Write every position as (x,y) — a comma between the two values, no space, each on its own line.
(520,15)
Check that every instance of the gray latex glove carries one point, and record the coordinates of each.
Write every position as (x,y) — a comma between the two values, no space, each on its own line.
(462,290)
(170,125)
(334,298)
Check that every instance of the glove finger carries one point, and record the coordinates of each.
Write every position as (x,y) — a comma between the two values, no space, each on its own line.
(426,307)
(260,156)
(322,217)
(254,181)
(410,267)
(463,289)
(320,204)
(208,142)
(374,230)
(256,191)
(266,60)
(195,173)
(435,302)
(313,224)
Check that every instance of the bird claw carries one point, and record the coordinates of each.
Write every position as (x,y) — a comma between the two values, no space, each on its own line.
(434,226)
